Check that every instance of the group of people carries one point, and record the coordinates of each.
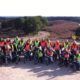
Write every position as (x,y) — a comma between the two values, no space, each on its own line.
(45,51)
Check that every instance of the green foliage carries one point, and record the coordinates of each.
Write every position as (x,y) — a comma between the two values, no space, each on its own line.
(28,24)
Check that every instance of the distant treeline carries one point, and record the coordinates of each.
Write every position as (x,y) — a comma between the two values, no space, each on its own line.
(27,24)
(75,19)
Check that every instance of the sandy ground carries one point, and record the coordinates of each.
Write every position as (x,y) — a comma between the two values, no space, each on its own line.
(29,71)
(40,35)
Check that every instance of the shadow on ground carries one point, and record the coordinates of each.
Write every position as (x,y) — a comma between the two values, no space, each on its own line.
(40,70)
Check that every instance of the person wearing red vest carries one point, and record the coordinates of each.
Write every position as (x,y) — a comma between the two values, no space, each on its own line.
(43,44)
(27,49)
(57,45)
(8,41)
(48,56)
(2,43)
(74,46)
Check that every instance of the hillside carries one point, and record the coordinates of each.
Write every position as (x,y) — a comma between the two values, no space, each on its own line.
(11,32)
(59,27)
(62,29)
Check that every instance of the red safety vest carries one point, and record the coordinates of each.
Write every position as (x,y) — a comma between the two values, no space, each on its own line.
(74,46)
(57,46)
(43,43)
(27,47)
(2,43)
(8,42)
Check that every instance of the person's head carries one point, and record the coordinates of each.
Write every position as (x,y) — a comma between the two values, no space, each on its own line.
(2,39)
(67,40)
(17,37)
(7,39)
(47,39)
(12,42)
(27,41)
(57,41)
(43,39)
(74,42)
(21,39)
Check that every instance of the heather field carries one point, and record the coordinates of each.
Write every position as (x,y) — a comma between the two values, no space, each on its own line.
(62,29)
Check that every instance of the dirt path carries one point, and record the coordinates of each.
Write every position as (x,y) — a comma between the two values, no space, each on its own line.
(40,35)
(29,71)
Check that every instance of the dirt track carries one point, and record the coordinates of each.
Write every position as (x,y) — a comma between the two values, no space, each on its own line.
(40,35)
(29,71)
